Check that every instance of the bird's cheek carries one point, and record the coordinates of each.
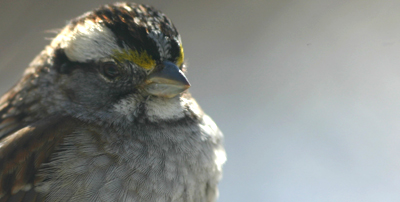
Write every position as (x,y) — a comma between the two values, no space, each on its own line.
(70,94)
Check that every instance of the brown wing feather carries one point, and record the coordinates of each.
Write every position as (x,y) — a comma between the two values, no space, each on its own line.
(26,139)
(23,196)
(22,152)
(16,106)
(9,119)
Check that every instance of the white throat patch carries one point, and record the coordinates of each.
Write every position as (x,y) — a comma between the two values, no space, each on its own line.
(157,108)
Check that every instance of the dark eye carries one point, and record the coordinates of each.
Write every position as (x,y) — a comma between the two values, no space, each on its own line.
(110,70)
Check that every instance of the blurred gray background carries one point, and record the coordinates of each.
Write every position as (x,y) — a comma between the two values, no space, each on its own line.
(307,92)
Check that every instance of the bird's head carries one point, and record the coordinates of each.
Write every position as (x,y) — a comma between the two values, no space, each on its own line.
(118,50)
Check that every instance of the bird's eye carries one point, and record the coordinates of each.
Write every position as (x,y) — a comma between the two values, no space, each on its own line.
(110,69)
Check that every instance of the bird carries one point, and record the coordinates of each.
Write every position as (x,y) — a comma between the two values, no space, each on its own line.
(104,113)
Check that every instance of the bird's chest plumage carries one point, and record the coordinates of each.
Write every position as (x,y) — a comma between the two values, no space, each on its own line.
(163,163)
(103,114)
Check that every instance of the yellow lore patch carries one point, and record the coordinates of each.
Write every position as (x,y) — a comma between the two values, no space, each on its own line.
(181,57)
(143,59)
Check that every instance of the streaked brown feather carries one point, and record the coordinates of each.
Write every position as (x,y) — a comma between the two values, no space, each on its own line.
(23,152)
(23,196)
(14,109)
(26,139)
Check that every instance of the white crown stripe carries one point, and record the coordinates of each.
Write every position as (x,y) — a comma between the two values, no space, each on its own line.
(162,44)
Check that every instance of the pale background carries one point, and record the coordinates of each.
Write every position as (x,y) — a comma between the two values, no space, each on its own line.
(307,92)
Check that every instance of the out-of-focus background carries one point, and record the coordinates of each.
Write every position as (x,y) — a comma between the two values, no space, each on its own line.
(307,92)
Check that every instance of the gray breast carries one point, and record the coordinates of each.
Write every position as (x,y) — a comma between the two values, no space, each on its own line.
(179,162)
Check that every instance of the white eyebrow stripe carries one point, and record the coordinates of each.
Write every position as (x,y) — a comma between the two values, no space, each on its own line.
(87,41)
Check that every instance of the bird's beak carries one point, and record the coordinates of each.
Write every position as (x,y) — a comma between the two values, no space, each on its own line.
(168,81)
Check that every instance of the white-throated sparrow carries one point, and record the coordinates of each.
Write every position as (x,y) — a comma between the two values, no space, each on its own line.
(103,114)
